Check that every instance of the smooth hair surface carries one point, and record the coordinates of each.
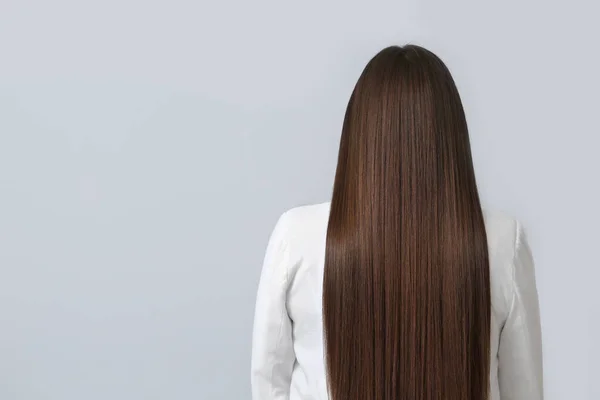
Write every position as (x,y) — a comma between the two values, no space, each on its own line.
(406,289)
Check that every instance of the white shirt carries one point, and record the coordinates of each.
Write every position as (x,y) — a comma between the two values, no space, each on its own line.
(287,346)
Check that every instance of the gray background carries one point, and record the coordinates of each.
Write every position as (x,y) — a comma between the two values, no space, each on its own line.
(147,148)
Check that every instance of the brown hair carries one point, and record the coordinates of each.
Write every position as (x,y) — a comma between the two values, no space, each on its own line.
(406,292)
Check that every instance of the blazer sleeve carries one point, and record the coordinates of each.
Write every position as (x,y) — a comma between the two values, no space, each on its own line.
(520,372)
(272,347)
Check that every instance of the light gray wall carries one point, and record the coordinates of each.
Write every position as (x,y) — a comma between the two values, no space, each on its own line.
(147,148)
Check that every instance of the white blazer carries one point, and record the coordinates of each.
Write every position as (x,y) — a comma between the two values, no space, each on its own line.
(287,345)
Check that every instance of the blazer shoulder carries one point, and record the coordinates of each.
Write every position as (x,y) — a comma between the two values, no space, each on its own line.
(305,222)
(502,234)
(501,230)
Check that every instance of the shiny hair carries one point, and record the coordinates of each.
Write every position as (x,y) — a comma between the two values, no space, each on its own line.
(406,290)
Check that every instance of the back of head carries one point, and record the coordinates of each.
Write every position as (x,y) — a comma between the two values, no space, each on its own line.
(406,292)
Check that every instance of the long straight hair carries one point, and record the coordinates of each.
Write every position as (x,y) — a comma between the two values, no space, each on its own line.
(406,291)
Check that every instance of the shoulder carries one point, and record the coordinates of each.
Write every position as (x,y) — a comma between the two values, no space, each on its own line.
(300,219)
(505,236)
(307,224)
(502,231)
(304,227)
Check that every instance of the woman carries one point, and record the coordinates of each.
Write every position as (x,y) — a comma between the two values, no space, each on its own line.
(401,288)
